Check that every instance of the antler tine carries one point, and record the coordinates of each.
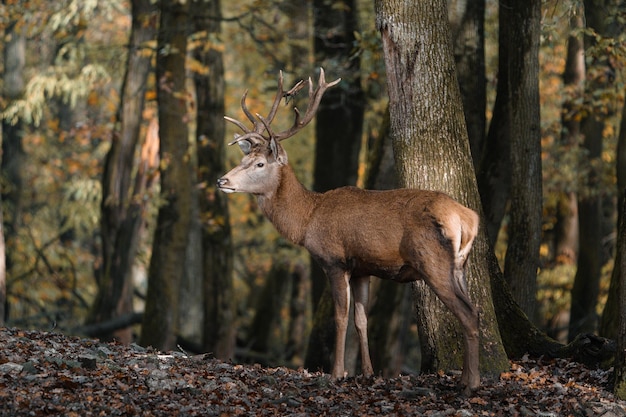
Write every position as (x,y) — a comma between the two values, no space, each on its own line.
(279,95)
(315,97)
(244,107)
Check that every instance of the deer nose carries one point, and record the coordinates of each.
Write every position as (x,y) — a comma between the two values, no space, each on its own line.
(222,182)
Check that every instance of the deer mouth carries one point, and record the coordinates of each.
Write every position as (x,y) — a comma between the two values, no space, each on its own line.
(221,184)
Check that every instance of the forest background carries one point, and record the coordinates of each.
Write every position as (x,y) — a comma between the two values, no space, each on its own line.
(81,201)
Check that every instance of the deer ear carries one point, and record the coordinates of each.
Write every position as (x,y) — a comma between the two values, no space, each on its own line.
(279,153)
(245,146)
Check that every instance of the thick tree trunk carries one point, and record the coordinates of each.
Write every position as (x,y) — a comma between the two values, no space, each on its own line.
(217,248)
(339,125)
(160,323)
(122,205)
(432,152)
(522,255)
(467,22)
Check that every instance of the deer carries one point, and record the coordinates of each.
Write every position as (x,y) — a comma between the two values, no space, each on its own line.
(403,235)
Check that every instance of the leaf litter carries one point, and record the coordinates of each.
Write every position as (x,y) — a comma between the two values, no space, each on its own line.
(48,374)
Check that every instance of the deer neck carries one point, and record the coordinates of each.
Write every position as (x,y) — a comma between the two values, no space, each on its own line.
(290,206)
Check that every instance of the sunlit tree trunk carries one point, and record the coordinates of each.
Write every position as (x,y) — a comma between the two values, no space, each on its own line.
(123,199)
(467,22)
(217,249)
(160,321)
(432,152)
(524,231)
(339,125)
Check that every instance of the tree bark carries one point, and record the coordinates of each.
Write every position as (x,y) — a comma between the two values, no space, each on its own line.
(217,247)
(620,259)
(338,129)
(566,227)
(160,323)
(494,170)
(583,317)
(524,231)
(432,152)
(12,151)
(122,205)
(467,23)
(609,320)
(14,56)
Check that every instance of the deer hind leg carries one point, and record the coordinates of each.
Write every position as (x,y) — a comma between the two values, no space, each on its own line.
(360,290)
(340,288)
(435,263)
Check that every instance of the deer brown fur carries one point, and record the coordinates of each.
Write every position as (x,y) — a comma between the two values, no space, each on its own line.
(403,235)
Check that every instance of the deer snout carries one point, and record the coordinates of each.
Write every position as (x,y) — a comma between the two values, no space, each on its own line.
(222,184)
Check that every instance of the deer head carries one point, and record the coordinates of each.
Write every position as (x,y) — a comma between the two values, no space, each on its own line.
(258,172)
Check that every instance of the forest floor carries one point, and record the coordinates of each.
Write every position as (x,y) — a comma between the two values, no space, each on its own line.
(52,374)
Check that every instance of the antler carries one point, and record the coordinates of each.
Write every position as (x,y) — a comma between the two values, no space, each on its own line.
(261,124)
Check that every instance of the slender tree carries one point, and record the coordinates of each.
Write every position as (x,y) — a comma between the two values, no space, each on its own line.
(524,231)
(12,152)
(338,129)
(609,321)
(122,204)
(566,227)
(583,317)
(620,266)
(160,321)
(219,314)
(14,55)
(432,151)
(467,23)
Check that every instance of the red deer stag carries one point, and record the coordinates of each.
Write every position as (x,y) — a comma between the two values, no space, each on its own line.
(402,235)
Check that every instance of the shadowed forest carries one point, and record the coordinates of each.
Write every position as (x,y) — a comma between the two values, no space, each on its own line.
(113,138)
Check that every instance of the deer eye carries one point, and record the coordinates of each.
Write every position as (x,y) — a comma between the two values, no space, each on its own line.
(260,165)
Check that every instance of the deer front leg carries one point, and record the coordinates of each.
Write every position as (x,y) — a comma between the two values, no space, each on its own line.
(340,286)
(360,290)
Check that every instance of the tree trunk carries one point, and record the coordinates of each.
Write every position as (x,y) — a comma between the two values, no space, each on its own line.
(467,22)
(12,132)
(583,317)
(339,125)
(608,323)
(566,227)
(296,335)
(432,152)
(160,323)
(522,255)
(12,151)
(620,259)
(219,308)
(122,205)
(265,325)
